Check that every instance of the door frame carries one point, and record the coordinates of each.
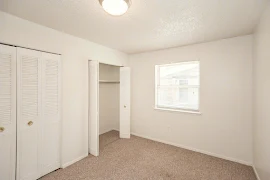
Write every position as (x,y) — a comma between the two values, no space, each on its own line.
(95,151)
(92,141)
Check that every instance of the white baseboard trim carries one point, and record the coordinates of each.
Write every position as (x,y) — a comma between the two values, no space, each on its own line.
(194,149)
(256,173)
(74,161)
(105,131)
(108,131)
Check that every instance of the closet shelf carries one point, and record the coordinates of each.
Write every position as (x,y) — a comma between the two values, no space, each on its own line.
(108,81)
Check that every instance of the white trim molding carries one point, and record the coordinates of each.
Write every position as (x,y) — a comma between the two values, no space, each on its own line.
(195,150)
(178,110)
(256,173)
(157,85)
(105,131)
(74,161)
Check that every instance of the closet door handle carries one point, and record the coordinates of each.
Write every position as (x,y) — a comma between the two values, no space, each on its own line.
(125,106)
(2,129)
(30,123)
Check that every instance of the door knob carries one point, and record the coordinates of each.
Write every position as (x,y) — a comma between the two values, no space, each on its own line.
(2,129)
(30,123)
(125,106)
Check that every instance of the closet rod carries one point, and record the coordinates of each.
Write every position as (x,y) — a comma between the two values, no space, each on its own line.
(28,48)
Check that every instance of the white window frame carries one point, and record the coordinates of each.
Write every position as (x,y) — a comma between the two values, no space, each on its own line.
(185,110)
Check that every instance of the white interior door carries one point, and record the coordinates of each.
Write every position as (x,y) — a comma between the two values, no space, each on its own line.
(51,111)
(28,117)
(94,108)
(124,102)
(7,112)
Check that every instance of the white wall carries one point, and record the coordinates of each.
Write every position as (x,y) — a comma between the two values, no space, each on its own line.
(225,126)
(109,98)
(75,55)
(262,96)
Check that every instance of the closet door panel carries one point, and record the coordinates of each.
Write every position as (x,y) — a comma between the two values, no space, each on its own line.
(29,107)
(7,112)
(51,111)
(28,153)
(7,152)
(124,102)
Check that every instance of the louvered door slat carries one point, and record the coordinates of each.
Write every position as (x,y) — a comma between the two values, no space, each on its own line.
(5,84)
(7,112)
(29,72)
(51,86)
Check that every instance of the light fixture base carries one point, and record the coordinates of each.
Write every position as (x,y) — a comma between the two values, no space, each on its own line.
(115,7)
(127,1)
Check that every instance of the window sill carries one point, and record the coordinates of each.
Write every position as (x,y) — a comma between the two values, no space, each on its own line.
(178,110)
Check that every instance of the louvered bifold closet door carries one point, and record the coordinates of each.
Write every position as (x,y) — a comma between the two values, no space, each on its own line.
(29,113)
(7,112)
(51,111)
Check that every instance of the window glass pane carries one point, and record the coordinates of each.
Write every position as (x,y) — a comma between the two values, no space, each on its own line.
(176,97)
(179,74)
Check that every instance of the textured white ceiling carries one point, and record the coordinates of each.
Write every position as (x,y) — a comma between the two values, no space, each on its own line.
(148,24)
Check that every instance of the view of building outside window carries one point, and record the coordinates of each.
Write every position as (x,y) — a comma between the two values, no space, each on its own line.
(178,86)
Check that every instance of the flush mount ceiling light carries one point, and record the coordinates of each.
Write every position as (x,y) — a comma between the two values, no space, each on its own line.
(115,7)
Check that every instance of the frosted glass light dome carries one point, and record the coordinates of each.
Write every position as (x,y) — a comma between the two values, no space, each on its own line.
(115,7)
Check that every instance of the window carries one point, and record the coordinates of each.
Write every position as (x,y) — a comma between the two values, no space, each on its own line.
(178,86)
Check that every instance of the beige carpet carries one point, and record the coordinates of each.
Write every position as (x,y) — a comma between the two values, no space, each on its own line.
(142,159)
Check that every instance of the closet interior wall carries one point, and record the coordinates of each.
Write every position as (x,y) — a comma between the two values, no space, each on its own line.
(109,98)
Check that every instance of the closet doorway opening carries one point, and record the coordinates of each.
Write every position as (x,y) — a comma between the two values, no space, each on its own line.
(109,105)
